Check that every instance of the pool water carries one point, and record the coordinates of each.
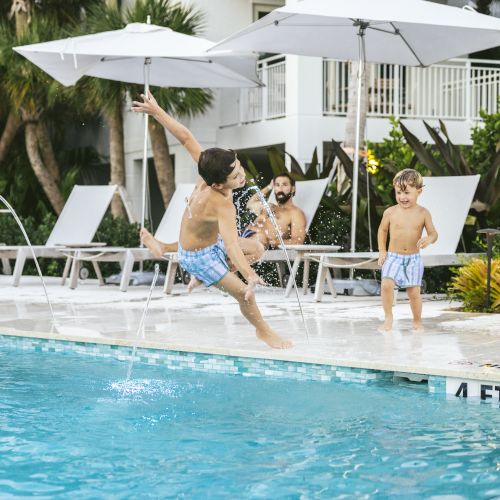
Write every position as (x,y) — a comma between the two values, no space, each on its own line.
(69,427)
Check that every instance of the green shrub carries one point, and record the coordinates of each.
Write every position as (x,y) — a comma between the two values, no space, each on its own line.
(469,285)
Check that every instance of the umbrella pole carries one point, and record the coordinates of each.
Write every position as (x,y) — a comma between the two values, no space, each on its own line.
(361,63)
(147,63)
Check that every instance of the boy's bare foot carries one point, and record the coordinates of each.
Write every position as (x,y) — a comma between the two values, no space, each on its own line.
(273,339)
(193,283)
(154,245)
(386,326)
(418,327)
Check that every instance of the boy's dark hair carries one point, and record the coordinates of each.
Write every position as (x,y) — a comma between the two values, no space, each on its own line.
(215,164)
(287,175)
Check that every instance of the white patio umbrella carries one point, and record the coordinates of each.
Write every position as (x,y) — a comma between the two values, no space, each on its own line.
(143,54)
(407,32)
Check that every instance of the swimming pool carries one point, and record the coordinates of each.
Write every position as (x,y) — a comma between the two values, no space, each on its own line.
(67,428)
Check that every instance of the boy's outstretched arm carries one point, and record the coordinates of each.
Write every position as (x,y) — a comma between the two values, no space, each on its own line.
(432,234)
(179,131)
(383,231)
(226,216)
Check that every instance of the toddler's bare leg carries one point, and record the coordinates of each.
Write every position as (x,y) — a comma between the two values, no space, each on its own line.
(235,287)
(416,306)
(387,293)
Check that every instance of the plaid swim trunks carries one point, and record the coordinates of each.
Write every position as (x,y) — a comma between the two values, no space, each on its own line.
(209,264)
(405,270)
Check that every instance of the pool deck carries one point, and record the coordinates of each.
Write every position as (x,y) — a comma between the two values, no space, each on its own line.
(342,331)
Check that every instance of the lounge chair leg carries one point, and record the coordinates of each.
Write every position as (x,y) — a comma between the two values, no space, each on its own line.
(6,269)
(128,265)
(305,276)
(280,273)
(170,277)
(98,273)
(22,254)
(67,267)
(330,284)
(75,271)
(320,281)
(295,268)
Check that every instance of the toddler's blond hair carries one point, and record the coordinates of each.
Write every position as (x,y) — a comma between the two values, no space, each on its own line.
(408,177)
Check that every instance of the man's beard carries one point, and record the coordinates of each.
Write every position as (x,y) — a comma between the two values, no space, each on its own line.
(282,198)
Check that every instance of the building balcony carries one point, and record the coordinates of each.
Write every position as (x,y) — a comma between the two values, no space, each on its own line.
(457,89)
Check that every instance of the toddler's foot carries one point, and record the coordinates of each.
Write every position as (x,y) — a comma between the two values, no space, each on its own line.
(273,340)
(418,327)
(386,326)
(193,283)
(151,243)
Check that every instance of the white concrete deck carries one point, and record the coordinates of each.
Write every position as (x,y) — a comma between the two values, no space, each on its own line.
(343,331)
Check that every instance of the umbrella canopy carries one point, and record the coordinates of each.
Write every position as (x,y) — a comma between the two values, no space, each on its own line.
(144,54)
(408,32)
(175,60)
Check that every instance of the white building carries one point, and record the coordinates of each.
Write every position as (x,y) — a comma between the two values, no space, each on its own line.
(304,103)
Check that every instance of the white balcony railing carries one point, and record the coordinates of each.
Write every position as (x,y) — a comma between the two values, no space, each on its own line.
(267,102)
(457,89)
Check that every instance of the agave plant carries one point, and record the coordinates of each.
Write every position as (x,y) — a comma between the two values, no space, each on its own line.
(469,285)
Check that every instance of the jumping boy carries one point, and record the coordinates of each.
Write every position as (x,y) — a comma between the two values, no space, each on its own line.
(208,229)
(402,264)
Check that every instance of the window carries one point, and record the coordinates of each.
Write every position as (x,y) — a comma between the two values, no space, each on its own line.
(262,9)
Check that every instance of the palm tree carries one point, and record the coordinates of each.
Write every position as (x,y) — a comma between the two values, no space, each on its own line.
(30,93)
(110,97)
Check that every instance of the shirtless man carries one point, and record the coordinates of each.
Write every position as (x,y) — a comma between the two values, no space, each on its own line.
(208,233)
(402,265)
(290,218)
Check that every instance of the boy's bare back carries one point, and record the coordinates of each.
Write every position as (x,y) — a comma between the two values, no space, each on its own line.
(200,221)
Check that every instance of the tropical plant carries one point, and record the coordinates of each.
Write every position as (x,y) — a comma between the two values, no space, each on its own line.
(469,285)
(110,97)
(451,161)
(30,98)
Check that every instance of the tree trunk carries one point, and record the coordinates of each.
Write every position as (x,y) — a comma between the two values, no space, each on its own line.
(21,10)
(163,162)
(46,179)
(114,120)
(11,127)
(47,151)
(350,128)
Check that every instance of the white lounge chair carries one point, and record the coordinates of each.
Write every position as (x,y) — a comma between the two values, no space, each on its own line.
(168,231)
(75,226)
(309,194)
(448,199)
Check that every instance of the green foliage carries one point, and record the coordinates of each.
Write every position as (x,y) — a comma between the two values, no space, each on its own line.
(113,232)
(469,285)
(485,142)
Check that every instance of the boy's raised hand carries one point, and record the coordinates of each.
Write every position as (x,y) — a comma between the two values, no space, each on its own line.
(149,105)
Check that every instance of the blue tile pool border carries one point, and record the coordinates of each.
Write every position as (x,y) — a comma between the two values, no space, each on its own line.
(218,363)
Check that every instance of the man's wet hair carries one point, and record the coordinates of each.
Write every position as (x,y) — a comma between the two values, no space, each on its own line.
(408,177)
(215,164)
(287,175)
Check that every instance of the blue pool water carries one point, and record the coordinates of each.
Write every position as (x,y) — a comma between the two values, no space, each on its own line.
(68,429)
